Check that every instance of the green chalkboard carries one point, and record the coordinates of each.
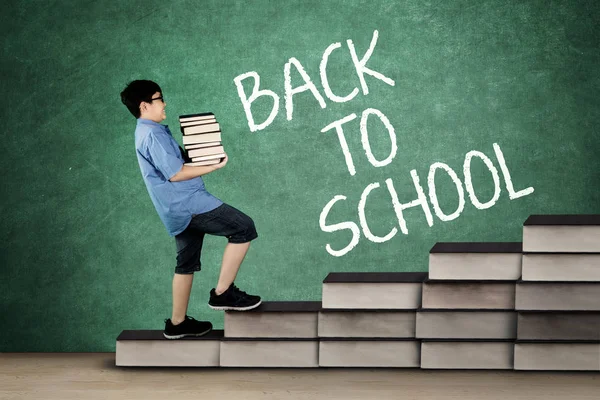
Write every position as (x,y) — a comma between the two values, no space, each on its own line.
(511,87)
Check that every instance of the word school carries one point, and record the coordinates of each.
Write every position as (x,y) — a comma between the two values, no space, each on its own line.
(421,200)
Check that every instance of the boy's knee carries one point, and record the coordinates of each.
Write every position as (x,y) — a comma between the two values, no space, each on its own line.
(250,224)
(248,233)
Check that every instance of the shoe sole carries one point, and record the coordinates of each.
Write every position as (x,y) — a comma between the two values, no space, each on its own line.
(231,308)
(185,334)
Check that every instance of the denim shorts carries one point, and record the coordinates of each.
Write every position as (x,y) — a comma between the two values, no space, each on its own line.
(225,221)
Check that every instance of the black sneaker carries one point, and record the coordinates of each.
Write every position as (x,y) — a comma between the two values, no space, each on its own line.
(233,299)
(189,327)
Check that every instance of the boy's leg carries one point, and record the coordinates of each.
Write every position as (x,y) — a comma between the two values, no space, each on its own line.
(189,247)
(232,259)
(239,230)
(182,286)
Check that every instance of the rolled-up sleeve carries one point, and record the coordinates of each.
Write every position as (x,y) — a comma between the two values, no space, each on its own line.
(164,157)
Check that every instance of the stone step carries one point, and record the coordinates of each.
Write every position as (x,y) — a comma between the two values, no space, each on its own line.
(467,354)
(475,261)
(466,324)
(269,352)
(149,348)
(373,290)
(374,323)
(557,356)
(468,294)
(568,296)
(369,352)
(561,267)
(562,233)
(558,325)
(275,319)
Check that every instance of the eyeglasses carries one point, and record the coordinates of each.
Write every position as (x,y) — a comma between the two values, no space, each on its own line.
(157,98)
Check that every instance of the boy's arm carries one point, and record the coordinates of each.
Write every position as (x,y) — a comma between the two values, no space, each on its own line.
(171,164)
(188,172)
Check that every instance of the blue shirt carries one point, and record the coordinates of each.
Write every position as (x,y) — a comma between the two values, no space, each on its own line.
(159,157)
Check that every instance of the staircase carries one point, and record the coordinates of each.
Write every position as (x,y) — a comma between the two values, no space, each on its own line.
(558,296)
(531,305)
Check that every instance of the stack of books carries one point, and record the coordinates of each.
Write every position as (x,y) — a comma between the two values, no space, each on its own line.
(467,318)
(201,139)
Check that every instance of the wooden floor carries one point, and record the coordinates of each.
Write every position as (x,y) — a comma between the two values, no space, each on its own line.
(80,376)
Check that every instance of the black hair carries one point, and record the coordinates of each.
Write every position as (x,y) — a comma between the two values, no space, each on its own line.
(136,92)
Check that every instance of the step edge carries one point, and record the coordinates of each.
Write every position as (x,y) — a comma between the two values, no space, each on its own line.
(367,339)
(467,340)
(553,220)
(369,310)
(557,341)
(375,277)
(530,311)
(477,248)
(269,339)
(471,281)
(468,310)
(561,253)
(522,282)
(292,306)
(157,334)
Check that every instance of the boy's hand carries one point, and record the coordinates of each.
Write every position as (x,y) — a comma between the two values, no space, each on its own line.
(221,164)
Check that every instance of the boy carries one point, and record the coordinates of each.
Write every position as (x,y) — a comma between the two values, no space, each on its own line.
(188,211)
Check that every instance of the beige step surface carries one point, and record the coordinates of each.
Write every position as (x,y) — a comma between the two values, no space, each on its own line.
(368,352)
(562,233)
(466,354)
(149,348)
(543,295)
(259,352)
(558,325)
(475,261)
(466,324)
(373,290)
(557,356)
(561,267)
(367,323)
(468,294)
(275,319)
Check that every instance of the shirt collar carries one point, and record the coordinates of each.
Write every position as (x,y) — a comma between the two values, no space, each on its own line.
(150,122)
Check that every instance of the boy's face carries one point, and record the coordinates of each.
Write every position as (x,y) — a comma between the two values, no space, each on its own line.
(155,110)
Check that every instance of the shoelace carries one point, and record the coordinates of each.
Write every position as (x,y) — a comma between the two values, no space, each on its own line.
(238,291)
(186,317)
